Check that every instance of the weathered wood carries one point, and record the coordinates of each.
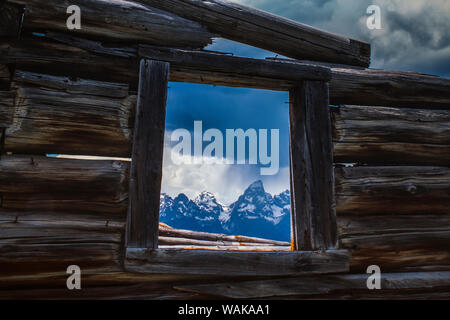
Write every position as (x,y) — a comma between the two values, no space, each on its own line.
(400,190)
(314,222)
(10,19)
(76,86)
(386,124)
(72,185)
(225,247)
(188,234)
(389,88)
(179,241)
(390,223)
(118,21)
(325,284)
(267,31)
(67,202)
(81,58)
(392,153)
(147,156)
(376,87)
(5,77)
(234,262)
(35,54)
(396,241)
(44,246)
(56,115)
(386,135)
(6,108)
(414,251)
(210,62)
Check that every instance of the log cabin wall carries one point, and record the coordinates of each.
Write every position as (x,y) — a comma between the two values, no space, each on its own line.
(76,94)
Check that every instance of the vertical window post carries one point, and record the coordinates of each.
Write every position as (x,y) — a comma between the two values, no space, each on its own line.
(313,212)
(147,156)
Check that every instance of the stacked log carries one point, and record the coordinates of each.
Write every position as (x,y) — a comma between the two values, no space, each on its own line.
(57,115)
(267,31)
(117,21)
(387,135)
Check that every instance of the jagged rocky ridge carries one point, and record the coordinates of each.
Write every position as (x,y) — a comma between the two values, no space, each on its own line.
(256,213)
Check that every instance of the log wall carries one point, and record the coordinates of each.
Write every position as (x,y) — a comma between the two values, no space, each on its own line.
(56,97)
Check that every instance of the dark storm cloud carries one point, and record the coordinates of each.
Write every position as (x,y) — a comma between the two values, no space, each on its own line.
(415,34)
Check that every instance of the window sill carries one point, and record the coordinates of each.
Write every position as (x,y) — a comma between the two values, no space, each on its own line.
(236,263)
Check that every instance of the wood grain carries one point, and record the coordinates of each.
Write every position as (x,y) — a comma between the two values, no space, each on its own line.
(314,216)
(319,286)
(235,263)
(116,21)
(6,108)
(33,53)
(83,186)
(214,62)
(267,31)
(147,156)
(377,87)
(387,135)
(35,246)
(5,77)
(55,115)
(10,19)
(392,189)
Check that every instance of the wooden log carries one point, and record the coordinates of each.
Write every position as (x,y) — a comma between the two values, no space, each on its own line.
(376,87)
(267,31)
(118,21)
(392,153)
(54,115)
(377,224)
(396,242)
(178,241)
(401,190)
(37,55)
(386,135)
(234,262)
(5,77)
(225,247)
(322,285)
(356,124)
(147,156)
(314,216)
(44,246)
(96,180)
(188,234)
(10,20)
(65,202)
(6,108)
(69,85)
(77,57)
(209,61)
(414,251)
(389,88)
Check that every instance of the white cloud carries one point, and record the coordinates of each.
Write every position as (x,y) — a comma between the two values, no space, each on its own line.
(414,32)
(226,182)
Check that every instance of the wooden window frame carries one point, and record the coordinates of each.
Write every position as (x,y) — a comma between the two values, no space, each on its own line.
(313,215)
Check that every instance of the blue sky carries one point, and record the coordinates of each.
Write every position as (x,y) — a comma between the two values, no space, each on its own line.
(414,37)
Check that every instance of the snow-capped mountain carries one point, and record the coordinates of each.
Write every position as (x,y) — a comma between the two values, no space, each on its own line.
(256,213)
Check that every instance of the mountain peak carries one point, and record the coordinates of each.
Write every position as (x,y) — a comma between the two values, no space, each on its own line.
(256,186)
(205,196)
